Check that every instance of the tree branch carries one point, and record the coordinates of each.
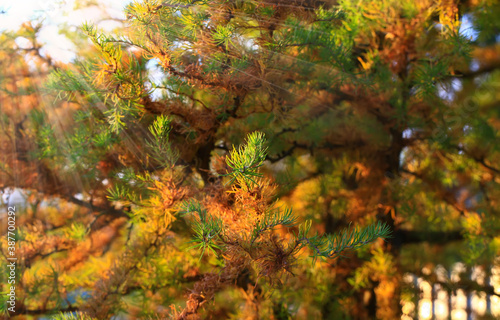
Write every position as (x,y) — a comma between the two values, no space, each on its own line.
(88,205)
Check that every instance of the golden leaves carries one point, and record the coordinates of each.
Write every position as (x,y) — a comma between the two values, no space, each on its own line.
(163,203)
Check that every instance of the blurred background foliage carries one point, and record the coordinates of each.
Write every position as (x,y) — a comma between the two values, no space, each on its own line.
(372,111)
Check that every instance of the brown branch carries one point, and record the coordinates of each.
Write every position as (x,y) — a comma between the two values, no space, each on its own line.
(185,95)
(88,205)
(471,74)
(438,192)
(436,237)
(326,145)
(480,160)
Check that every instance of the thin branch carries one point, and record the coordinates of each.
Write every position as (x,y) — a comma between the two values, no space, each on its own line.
(105,211)
(480,160)
(452,203)
(480,71)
